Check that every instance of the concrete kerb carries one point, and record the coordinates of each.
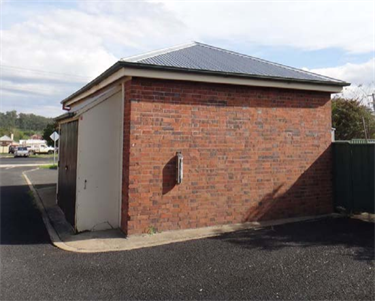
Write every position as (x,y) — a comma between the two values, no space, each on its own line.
(91,243)
(55,239)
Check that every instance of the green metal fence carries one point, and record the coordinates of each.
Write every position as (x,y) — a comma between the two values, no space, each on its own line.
(354,176)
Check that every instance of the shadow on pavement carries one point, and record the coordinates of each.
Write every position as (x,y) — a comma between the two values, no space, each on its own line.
(351,233)
(21,222)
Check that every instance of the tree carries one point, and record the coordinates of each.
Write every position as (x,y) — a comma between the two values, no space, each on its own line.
(347,118)
(22,121)
(32,122)
(48,130)
(8,119)
(22,125)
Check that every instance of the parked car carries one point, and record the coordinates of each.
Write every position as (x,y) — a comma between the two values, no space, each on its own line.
(21,151)
(40,149)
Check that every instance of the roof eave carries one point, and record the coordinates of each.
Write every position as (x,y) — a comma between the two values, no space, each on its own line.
(123,64)
(94,82)
(230,74)
(64,116)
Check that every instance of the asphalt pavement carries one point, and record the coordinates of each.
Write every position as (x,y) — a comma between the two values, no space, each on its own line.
(330,259)
(25,160)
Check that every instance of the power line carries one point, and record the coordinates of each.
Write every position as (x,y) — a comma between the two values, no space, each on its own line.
(45,72)
(20,89)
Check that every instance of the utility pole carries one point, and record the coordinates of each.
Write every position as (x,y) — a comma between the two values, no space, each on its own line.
(373,100)
(364,127)
(363,118)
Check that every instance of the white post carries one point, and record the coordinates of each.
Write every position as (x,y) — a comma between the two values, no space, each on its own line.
(54,152)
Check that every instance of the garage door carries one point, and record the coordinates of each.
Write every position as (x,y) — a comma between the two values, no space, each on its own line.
(66,196)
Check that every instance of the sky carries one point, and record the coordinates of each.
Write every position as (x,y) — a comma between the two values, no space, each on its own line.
(49,49)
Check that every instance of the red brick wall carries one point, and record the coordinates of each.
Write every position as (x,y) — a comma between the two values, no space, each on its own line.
(249,154)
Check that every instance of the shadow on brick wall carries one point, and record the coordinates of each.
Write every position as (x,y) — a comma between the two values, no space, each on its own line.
(169,175)
(310,194)
(222,95)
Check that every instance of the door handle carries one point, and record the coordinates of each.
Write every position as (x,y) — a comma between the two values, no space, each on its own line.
(66,167)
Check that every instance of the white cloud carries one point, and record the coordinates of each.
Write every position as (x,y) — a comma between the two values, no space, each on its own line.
(308,25)
(56,51)
(354,73)
(361,77)
(61,48)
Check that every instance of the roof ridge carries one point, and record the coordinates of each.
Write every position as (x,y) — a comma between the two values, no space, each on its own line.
(267,62)
(150,54)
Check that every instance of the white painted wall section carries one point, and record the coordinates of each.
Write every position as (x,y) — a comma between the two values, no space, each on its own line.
(99,169)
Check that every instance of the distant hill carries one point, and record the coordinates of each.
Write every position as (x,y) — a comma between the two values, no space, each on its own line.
(22,125)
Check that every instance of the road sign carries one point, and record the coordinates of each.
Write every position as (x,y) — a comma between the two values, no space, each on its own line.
(54,136)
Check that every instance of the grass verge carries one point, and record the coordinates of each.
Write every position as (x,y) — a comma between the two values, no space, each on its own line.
(50,166)
(42,156)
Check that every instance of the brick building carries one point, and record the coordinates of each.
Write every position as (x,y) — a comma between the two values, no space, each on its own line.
(254,136)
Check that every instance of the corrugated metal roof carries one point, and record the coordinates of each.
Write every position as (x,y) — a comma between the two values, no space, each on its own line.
(5,138)
(203,57)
